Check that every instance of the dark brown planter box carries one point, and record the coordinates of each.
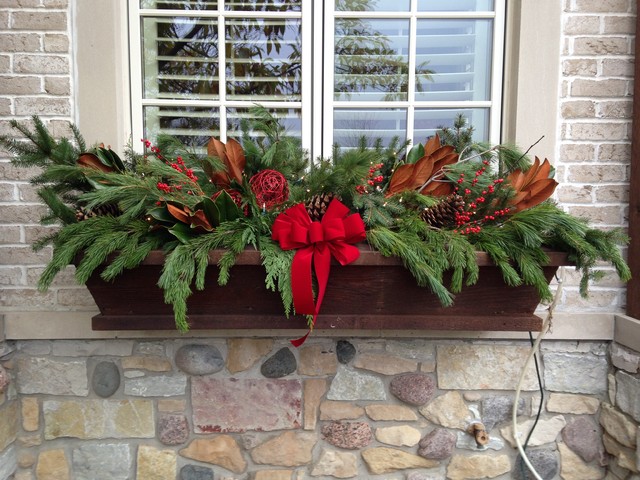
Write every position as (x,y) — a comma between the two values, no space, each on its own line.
(375,292)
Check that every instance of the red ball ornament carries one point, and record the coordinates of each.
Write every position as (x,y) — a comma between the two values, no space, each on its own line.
(270,188)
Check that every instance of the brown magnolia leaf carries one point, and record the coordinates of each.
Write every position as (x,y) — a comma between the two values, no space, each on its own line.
(432,145)
(179,213)
(533,186)
(438,189)
(400,179)
(199,219)
(89,160)
(235,160)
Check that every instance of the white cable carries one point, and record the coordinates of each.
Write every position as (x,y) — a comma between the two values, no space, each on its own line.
(545,326)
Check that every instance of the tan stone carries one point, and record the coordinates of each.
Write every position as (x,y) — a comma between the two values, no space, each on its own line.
(546,431)
(26,458)
(448,410)
(273,475)
(575,404)
(29,440)
(8,424)
(618,425)
(92,419)
(574,468)
(385,364)
(23,475)
(477,466)
(245,352)
(290,449)
(336,464)
(30,414)
(155,464)
(52,465)
(336,410)
(165,405)
(399,436)
(381,460)
(314,389)
(626,456)
(151,363)
(390,413)
(222,450)
(315,360)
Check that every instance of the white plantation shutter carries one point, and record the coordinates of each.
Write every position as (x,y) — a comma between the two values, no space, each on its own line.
(332,70)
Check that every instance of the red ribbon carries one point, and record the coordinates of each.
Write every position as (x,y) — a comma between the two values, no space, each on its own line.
(316,243)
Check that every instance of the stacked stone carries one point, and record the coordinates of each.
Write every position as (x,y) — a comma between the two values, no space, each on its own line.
(261,409)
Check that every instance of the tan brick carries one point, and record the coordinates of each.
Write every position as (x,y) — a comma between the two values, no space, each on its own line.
(11,276)
(598,131)
(19,3)
(598,88)
(615,109)
(7,192)
(22,213)
(619,24)
(600,6)
(23,256)
(580,67)
(5,106)
(601,46)
(10,234)
(618,67)
(577,152)
(20,42)
(614,152)
(4,20)
(575,194)
(33,233)
(66,278)
(598,300)
(597,173)
(5,63)
(25,297)
(39,20)
(578,109)
(57,85)
(56,43)
(612,194)
(42,106)
(19,85)
(582,25)
(74,297)
(56,3)
(608,215)
(45,64)
(28,193)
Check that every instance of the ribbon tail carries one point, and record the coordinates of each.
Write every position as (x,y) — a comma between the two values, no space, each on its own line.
(299,341)
(301,282)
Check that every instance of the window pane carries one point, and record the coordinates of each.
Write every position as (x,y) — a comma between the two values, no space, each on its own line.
(263,5)
(180,5)
(453,60)
(428,121)
(193,126)
(263,59)
(180,58)
(290,119)
(371,59)
(349,125)
(455,6)
(372,5)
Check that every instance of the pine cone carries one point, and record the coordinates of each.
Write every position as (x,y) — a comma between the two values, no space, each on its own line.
(83,213)
(317,205)
(444,213)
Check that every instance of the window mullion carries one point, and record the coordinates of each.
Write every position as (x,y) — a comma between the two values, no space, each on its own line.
(222,72)
(327,77)
(411,85)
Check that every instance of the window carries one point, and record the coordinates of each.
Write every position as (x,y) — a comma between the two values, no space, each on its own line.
(330,70)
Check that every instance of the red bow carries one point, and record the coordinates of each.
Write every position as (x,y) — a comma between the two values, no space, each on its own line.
(317,242)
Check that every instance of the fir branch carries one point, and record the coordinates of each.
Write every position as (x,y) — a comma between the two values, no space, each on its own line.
(277,264)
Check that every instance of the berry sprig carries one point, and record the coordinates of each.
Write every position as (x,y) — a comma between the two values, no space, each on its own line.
(374,179)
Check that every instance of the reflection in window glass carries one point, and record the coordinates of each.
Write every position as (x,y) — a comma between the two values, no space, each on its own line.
(180,5)
(263,5)
(192,125)
(349,125)
(180,58)
(428,121)
(455,5)
(372,5)
(453,59)
(263,59)
(371,59)
(290,119)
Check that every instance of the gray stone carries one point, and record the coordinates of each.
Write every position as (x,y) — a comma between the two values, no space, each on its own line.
(437,444)
(53,377)
(156,386)
(349,435)
(4,379)
(422,476)
(584,437)
(345,351)
(105,379)
(418,349)
(199,359)
(173,428)
(624,358)
(413,388)
(8,463)
(102,462)
(544,460)
(498,408)
(280,364)
(195,472)
(627,398)
(576,373)
(350,385)
(467,441)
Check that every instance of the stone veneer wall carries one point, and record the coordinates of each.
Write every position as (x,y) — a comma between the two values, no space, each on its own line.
(260,409)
